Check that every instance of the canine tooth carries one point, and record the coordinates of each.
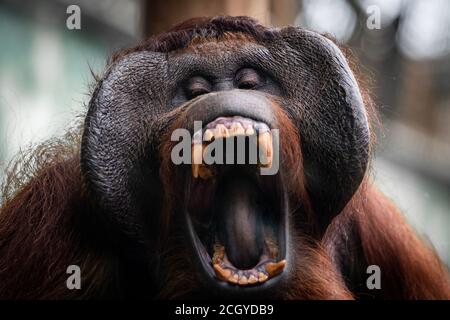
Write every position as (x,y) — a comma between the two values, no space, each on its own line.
(252,279)
(234,278)
(243,280)
(237,129)
(195,168)
(197,153)
(265,147)
(208,135)
(219,253)
(249,131)
(275,268)
(221,273)
(196,157)
(221,132)
(262,277)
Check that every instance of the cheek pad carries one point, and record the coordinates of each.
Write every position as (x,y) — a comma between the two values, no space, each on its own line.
(325,102)
(119,122)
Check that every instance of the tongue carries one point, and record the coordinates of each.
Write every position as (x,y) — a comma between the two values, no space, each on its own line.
(241,221)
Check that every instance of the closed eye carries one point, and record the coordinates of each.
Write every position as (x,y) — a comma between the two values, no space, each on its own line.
(197,86)
(248,78)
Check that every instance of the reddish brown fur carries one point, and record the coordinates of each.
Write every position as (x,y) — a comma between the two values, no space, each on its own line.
(45,208)
(410,268)
(38,227)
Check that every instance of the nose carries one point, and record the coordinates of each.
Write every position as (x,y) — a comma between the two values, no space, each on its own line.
(236,102)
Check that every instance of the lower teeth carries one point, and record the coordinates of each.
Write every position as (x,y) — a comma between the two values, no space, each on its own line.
(226,272)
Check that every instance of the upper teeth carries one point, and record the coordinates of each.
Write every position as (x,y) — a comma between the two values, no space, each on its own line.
(225,127)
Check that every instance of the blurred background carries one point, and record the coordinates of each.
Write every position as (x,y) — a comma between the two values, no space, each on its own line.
(403,46)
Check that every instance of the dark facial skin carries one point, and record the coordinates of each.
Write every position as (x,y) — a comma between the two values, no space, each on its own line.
(142,225)
(145,94)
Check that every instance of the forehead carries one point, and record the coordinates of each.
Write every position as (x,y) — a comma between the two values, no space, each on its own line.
(226,42)
(217,56)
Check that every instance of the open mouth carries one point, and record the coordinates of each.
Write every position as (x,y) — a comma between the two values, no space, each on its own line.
(236,215)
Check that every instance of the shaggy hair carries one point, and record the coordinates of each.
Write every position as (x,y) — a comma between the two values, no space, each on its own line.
(47,221)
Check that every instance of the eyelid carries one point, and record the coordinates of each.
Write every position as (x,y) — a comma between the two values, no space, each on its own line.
(197,85)
(249,78)
(248,74)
